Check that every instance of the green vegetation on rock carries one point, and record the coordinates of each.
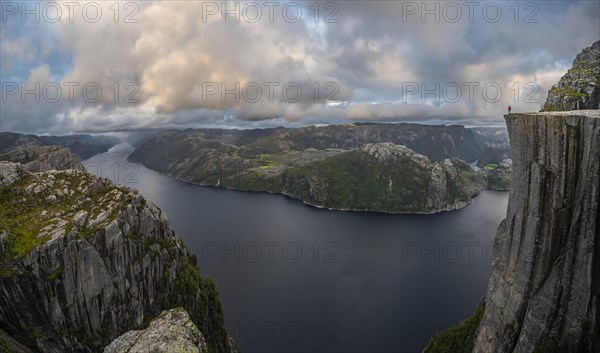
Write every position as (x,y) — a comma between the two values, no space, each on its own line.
(458,338)
(56,272)
(578,88)
(498,176)
(106,235)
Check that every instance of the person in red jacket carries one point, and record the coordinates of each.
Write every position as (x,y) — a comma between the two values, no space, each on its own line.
(509,109)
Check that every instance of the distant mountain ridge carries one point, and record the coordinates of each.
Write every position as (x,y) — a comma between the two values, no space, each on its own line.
(83,146)
(313,163)
(437,142)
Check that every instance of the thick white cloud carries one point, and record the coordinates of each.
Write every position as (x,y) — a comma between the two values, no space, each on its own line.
(179,52)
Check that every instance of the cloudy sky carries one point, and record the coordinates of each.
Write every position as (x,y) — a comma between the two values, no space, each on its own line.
(97,66)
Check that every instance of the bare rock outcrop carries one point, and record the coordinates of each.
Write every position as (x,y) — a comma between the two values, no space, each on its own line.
(579,88)
(171,331)
(43,158)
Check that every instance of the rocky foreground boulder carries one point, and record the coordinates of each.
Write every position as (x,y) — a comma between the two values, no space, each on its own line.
(172,331)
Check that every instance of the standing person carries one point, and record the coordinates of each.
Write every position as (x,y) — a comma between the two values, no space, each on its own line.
(509,109)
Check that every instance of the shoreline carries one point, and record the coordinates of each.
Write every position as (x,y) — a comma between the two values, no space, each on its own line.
(318,206)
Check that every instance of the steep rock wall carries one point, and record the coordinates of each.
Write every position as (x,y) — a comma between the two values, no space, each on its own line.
(544,288)
(83,260)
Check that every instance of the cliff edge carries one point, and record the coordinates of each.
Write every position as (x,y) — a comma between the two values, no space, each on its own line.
(83,260)
(544,290)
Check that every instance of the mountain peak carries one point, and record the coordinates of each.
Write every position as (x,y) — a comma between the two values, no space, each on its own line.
(578,88)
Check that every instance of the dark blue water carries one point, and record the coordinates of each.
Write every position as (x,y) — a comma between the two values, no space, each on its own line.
(294,278)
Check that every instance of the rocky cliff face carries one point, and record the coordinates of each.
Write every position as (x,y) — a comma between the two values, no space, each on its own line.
(42,158)
(83,260)
(544,291)
(579,88)
(10,345)
(34,156)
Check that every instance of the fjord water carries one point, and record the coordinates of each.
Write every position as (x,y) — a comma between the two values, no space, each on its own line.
(294,278)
